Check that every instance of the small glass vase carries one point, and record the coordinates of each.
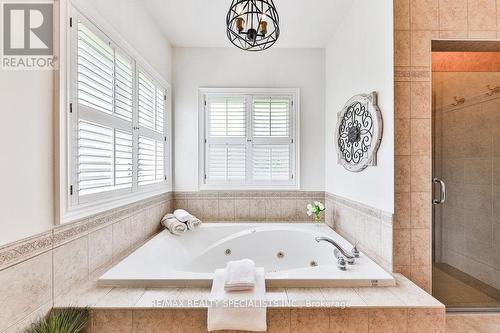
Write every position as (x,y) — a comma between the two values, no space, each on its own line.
(317,219)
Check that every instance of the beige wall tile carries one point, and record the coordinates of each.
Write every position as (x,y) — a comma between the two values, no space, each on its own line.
(483,34)
(122,238)
(310,320)
(421,47)
(100,248)
(402,173)
(24,288)
(421,276)
(258,209)
(211,210)
(402,48)
(453,15)
(402,210)
(188,321)
(226,209)
(278,320)
(401,247)
(349,321)
(273,210)
(402,100)
(420,247)
(71,265)
(288,209)
(421,209)
(387,320)
(420,137)
(195,207)
(453,34)
(112,321)
(242,209)
(402,137)
(424,14)
(420,100)
(421,174)
(401,14)
(152,321)
(482,14)
(426,320)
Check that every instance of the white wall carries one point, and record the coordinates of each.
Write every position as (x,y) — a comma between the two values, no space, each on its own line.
(359,60)
(26,138)
(230,67)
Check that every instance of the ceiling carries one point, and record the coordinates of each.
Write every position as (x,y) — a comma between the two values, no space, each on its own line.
(201,23)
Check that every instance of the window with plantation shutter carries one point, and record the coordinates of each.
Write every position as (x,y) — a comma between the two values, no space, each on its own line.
(118,141)
(248,139)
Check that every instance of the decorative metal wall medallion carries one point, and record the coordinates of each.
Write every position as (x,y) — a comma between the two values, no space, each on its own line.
(359,132)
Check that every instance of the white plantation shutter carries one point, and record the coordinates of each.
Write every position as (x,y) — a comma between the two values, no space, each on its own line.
(95,71)
(271,163)
(271,117)
(226,163)
(249,140)
(227,117)
(119,140)
(226,140)
(151,114)
(104,158)
(124,87)
(151,161)
(151,103)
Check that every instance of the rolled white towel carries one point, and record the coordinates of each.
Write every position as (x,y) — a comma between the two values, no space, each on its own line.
(193,223)
(240,275)
(175,226)
(182,215)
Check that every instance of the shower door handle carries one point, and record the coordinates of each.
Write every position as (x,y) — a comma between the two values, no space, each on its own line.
(442,192)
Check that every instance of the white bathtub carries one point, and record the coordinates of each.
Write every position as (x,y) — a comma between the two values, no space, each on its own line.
(287,251)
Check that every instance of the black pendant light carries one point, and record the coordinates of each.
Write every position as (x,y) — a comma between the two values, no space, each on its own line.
(253,25)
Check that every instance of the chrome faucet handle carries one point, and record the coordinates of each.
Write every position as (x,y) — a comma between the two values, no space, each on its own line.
(341,264)
(354,250)
(339,256)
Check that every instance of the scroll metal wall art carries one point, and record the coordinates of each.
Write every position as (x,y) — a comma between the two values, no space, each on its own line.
(359,132)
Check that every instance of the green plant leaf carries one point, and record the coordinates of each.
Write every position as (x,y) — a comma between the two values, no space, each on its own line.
(69,320)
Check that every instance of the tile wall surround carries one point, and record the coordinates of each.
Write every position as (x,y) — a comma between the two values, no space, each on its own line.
(50,264)
(352,320)
(35,270)
(416,24)
(265,206)
(402,308)
(358,223)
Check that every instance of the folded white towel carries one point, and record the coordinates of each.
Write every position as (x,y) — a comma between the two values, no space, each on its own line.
(175,226)
(182,215)
(223,316)
(240,275)
(193,223)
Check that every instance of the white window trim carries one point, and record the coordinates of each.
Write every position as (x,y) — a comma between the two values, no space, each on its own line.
(65,210)
(294,92)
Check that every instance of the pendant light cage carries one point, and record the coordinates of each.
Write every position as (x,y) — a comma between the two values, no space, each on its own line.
(253,25)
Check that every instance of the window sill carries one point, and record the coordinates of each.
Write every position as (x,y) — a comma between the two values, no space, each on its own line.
(86,210)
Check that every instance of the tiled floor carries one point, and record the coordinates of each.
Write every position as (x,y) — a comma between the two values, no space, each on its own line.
(457,290)
(472,323)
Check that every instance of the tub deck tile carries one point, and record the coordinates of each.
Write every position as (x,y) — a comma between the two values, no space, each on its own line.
(120,298)
(342,297)
(158,298)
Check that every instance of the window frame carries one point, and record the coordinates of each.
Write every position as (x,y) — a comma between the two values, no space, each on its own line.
(249,94)
(68,206)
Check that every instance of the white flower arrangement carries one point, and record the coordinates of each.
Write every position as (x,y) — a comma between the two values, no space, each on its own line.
(315,209)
